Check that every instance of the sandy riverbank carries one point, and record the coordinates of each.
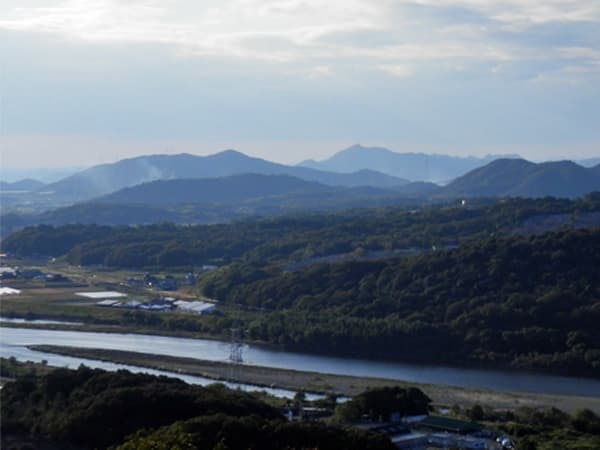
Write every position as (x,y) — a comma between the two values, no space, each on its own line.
(322,383)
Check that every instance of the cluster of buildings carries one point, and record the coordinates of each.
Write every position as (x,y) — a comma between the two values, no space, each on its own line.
(112,299)
(424,432)
(12,273)
(167,283)
(15,274)
(198,307)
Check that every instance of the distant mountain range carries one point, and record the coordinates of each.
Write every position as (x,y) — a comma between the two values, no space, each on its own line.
(591,162)
(410,166)
(521,178)
(228,185)
(44,175)
(353,167)
(500,178)
(212,200)
(107,178)
(27,184)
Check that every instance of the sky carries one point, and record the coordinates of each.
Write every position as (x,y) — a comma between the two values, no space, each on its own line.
(90,81)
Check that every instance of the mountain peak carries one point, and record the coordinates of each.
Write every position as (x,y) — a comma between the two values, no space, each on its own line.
(229,153)
(410,166)
(508,162)
(361,149)
(522,178)
(356,147)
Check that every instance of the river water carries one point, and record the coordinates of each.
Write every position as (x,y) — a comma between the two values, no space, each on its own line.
(14,340)
(22,353)
(37,321)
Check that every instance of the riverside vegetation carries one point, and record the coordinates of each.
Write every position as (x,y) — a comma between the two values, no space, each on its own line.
(88,409)
(512,294)
(85,409)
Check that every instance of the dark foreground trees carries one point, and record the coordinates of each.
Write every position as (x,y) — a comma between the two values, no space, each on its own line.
(548,429)
(91,409)
(385,404)
(242,433)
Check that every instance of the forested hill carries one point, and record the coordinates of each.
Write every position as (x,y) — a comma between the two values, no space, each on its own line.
(234,189)
(527,302)
(93,409)
(261,192)
(518,177)
(302,237)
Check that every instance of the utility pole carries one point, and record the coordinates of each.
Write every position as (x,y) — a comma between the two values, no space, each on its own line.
(236,347)
(236,356)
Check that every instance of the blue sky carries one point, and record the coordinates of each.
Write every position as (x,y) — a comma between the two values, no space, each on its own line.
(90,81)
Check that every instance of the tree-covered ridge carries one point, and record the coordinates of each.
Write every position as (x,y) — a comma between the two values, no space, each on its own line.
(95,409)
(521,178)
(242,433)
(547,429)
(382,404)
(515,301)
(289,237)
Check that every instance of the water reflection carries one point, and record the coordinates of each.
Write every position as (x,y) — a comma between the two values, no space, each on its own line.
(13,339)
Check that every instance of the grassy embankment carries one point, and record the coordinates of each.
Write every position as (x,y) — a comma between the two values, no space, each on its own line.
(325,383)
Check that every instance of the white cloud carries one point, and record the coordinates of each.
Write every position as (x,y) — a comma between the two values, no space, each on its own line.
(523,12)
(579,52)
(320,72)
(213,74)
(316,34)
(397,70)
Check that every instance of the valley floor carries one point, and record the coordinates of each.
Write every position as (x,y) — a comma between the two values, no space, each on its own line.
(343,385)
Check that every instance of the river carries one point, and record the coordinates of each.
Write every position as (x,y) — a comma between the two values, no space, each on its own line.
(14,340)
(22,353)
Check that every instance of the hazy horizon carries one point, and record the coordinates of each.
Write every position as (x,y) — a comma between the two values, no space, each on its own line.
(55,172)
(93,81)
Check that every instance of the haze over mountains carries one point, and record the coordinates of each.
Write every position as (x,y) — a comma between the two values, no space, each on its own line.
(214,200)
(107,178)
(26,184)
(591,162)
(207,189)
(411,166)
(500,178)
(352,167)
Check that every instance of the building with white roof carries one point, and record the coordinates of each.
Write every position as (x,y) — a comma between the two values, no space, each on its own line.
(101,294)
